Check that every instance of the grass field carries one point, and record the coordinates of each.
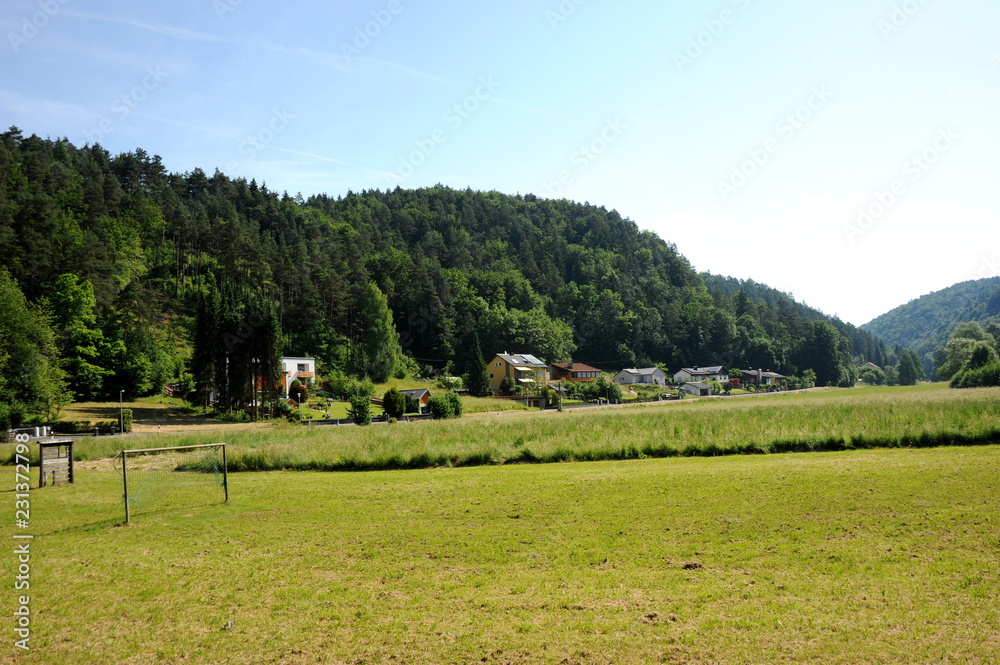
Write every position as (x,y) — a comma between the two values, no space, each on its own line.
(836,420)
(848,557)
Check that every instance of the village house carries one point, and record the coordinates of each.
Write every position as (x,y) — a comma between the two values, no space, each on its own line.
(422,395)
(702,374)
(303,369)
(756,377)
(573,372)
(523,369)
(648,375)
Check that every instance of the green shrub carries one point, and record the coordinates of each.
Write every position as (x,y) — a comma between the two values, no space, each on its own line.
(360,410)
(394,403)
(456,404)
(127,419)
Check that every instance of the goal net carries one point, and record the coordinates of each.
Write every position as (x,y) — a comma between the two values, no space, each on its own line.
(164,478)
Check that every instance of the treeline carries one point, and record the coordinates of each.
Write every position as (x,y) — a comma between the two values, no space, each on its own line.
(971,358)
(926,324)
(123,277)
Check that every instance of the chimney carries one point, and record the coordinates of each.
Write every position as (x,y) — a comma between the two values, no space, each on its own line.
(570,366)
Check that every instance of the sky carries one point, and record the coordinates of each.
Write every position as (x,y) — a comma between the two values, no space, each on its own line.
(844,152)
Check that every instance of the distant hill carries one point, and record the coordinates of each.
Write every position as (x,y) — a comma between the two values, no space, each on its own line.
(925,324)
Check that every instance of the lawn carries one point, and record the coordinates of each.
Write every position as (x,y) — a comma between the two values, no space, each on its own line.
(848,557)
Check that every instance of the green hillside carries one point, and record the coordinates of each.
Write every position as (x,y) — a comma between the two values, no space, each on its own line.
(925,324)
(121,276)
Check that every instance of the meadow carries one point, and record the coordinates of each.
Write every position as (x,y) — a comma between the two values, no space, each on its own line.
(819,421)
(870,556)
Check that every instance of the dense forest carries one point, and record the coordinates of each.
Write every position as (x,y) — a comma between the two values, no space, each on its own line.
(121,276)
(927,323)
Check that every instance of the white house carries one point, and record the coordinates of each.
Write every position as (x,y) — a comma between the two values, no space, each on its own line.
(651,375)
(302,369)
(702,374)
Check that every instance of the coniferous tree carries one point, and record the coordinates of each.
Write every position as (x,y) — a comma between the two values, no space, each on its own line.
(476,380)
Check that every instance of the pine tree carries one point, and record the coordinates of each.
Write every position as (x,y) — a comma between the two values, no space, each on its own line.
(476,379)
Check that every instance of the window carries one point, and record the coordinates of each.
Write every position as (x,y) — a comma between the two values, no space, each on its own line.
(498,364)
(491,375)
(303,367)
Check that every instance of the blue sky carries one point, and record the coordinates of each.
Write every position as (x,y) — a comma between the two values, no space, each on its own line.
(844,152)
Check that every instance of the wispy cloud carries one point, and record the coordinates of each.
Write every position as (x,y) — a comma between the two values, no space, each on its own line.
(352,65)
(44,111)
(165,30)
(234,137)
(336,61)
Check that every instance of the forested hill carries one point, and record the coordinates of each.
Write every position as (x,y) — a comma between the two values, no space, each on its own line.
(774,306)
(118,265)
(925,324)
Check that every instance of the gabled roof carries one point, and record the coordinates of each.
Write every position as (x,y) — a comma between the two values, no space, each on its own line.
(699,385)
(703,371)
(416,394)
(522,360)
(772,375)
(642,372)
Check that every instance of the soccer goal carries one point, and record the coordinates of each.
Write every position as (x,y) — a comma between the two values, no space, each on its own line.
(175,476)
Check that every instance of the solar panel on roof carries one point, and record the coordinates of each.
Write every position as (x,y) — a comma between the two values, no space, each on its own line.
(532,359)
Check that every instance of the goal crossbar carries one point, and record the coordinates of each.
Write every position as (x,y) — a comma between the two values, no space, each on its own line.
(137,451)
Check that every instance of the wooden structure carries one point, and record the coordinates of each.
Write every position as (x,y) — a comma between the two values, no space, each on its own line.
(56,465)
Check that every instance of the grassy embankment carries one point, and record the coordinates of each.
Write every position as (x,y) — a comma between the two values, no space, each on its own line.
(855,557)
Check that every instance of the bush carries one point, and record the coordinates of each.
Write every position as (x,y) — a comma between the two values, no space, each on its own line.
(456,404)
(72,426)
(412,404)
(298,392)
(445,406)
(394,403)
(981,377)
(360,410)
(449,383)
(127,419)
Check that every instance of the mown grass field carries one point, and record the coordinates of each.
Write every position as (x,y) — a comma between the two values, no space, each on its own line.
(848,557)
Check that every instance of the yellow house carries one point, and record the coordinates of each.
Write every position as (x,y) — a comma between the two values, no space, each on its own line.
(523,369)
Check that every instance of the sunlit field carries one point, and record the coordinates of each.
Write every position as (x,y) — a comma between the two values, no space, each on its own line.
(846,557)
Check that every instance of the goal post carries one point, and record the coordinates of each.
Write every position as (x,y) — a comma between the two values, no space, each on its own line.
(151,475)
